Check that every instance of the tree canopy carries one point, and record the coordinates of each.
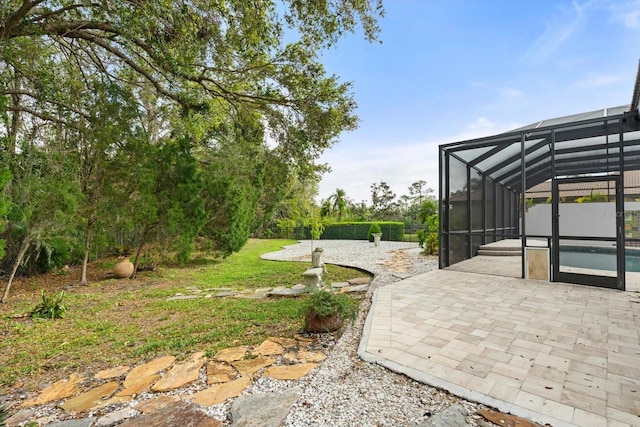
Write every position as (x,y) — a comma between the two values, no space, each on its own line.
(177,118)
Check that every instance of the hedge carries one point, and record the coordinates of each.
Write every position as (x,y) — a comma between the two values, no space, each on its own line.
(393,231)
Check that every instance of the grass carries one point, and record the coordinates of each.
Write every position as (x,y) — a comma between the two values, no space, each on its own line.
(125,322)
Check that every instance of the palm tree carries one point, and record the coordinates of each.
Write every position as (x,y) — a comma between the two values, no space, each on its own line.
(338,202)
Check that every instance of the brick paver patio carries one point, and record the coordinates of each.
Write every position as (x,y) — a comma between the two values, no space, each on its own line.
(551,352)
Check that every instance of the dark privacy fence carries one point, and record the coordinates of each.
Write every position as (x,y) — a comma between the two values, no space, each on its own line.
(393,231)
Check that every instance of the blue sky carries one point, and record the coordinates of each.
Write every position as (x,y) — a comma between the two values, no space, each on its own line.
(450,70)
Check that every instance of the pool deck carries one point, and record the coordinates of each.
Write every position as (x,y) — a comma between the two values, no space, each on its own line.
(563,354)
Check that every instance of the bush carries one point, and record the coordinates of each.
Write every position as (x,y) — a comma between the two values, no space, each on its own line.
(325,304)
(50,307)
(375,228)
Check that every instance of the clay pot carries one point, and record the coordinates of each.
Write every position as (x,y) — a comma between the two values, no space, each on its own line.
(321,324)
(123,268)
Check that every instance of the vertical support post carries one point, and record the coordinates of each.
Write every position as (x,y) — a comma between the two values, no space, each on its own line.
(523,201)
(555,212)
(620,213)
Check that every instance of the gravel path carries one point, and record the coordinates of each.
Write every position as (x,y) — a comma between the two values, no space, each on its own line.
(345,391)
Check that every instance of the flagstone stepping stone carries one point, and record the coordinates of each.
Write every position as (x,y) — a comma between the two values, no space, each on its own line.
(359,281)
(181,374)
(253,295)
(135,388)
(57,391)
(148,369)
(219,393)
(287,292)
(507,420)
(294,372)
(304,340)
(156,403)
(268,348)
(284,342)
(118,371)
(338,285)
(174,414)
(113,418)
(359,288)
(263,409)
(21,417)
(218,372)
(183,297)
(250,366)
(231,354)
(89,399)
(225,294)
(310,356)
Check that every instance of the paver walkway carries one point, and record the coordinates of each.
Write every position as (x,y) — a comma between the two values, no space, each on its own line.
(551,352)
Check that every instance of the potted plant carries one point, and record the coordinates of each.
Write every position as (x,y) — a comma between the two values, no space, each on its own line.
(375,233)
(326,311)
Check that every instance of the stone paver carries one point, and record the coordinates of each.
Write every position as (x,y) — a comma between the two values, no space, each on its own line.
(181,374)
(550,352)
(58,390)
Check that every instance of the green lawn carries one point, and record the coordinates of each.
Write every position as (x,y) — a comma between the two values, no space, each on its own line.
(113,322)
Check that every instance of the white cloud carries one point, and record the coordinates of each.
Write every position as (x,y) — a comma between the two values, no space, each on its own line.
(557,32)
(627,13)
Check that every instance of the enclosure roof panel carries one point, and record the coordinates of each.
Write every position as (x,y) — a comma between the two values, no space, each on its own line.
(583,143)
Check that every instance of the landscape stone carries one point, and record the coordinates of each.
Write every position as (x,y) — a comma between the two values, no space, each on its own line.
(225,294)
(57,391)
(218,372)
(231,354)
(298,287)
(88,399)
(289,372)
(358,288)
(81,422)
(183,297)
(114,400)
(253,295)
(506,420)
(264,409)
(288,292)
(310,356)
(112,373)
(139,386)
(174,414)
(20,417)
(219,393)
(154,404)
(181,374)
(148,369)
(114,418)
(250,366)
(453,416)
(285,342)
(338,285)
(268,348)
(359,281)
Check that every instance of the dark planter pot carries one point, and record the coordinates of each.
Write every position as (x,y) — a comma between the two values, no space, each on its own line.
(321,324)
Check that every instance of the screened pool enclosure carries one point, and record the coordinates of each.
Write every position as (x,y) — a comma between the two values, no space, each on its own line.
(583,159)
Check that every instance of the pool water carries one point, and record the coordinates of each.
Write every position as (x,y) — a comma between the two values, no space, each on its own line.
(598,258)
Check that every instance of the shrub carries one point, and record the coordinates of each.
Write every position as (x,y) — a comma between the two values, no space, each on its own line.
(325,304)
(50,307)
(375,228)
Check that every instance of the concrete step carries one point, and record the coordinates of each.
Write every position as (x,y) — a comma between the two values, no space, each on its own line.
(499,252)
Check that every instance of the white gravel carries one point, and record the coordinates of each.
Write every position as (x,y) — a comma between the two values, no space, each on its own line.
(346,391)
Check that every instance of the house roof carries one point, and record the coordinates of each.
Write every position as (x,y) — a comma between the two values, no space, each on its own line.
(579,189)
